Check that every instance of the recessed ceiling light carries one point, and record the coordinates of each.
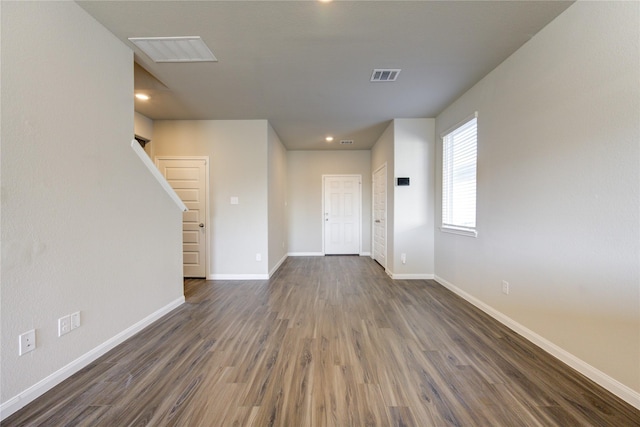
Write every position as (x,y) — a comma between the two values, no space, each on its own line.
(329,139)
(325,1)
(174,49)
(142,96)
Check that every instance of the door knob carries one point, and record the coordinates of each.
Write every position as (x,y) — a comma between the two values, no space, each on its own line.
(201,225)
(377,220)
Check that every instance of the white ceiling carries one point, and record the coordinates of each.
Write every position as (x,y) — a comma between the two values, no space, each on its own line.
(305,65)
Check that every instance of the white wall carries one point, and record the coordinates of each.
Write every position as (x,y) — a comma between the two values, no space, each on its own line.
(85,227)
(559,189)
(143,127)
(277,166)
(407,147)
(414,151)
(237,151)
(305,170)
(383,153)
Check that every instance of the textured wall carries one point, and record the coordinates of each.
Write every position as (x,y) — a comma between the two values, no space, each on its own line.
(559,188)
(85,227)
(414,150)
(237,151)
(383,153)
(407,147)
(277,166)
(305,169)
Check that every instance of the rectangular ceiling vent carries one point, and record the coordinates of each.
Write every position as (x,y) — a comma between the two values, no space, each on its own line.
(346,141)
(174,49)
(385,75)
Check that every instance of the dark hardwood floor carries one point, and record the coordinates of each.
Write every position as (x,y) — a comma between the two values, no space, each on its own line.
(328,341)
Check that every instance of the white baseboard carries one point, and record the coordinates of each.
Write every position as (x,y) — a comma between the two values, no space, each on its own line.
(238,277)
(248,276)
(321,254)
(412,276)
(614,386)
(27,396)
(277,266)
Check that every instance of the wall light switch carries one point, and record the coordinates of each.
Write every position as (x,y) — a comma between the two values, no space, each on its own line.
(234,200)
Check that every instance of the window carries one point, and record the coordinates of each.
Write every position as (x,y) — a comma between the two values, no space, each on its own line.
(459,164)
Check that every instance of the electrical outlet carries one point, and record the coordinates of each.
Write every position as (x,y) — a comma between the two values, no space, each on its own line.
(64,325)
(403,258)
(27,342)
(258,257)
(75,320)
(505,287)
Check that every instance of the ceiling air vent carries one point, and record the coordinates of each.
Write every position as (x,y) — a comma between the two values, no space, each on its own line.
(174,49)
(346,142)
(385,75)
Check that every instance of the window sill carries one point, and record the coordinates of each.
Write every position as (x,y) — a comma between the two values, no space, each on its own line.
(461,231)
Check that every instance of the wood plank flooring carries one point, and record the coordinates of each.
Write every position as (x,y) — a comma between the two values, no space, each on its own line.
(328,341)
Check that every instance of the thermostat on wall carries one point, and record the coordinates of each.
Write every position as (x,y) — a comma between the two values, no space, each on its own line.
(402,181)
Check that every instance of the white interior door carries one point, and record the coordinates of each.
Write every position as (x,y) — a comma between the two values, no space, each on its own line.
(342,221)
(188,177)
(380,216)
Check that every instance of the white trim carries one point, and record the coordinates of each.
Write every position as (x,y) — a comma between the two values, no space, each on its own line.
(412,276)
(238,277)
(386,212)
(461,231)
(277,266)
(365,254)
(624,392)
(457,125)
(41,387)
(135,145)
(305,254)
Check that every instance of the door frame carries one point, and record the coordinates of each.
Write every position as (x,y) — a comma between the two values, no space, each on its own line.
(208,224)
(386,211)
(359,202)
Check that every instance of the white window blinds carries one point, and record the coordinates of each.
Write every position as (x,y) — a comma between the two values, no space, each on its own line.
(459,160)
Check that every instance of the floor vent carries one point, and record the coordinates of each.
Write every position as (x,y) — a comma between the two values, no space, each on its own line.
(385,75)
